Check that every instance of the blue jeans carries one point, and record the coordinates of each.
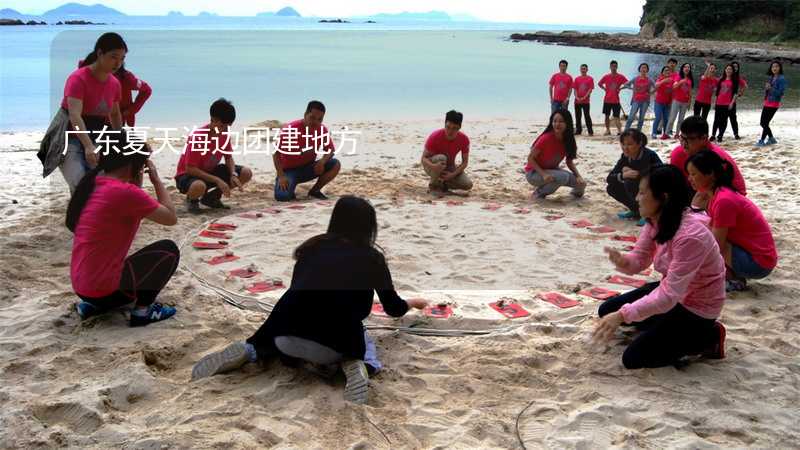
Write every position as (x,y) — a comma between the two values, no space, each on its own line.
(744,266)
(662,117)
(641,108)
(298,175)
(555,106)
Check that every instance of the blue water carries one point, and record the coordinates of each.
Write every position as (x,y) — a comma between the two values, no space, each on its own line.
(361,71)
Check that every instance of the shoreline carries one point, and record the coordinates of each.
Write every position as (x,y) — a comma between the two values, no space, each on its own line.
(748,51)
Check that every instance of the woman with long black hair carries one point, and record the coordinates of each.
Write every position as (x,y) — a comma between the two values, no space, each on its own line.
(556,143)
(775,88)
(740,92)
(727,90)
(129,106)
(318,319)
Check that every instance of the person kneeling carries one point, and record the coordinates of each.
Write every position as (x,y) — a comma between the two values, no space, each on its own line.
(439,157)
(555,143)
(634,164)
(318,319)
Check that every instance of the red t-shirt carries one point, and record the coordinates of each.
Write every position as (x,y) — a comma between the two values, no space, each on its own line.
(612,83)
(582,84)
(98,97)
(747,227)
(104,234)
(706,89)
(683,93)
(129,84)
(438,144)
(298,145)
(641,89)
(664,91)
(725,93)
(202,151)
(675,76)
(551,152)
(562,83)
(678,158)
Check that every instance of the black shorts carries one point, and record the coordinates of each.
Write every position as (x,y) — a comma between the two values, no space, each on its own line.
(611,108)
(184,182)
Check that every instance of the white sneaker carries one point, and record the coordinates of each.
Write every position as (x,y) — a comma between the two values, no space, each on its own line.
(356,390)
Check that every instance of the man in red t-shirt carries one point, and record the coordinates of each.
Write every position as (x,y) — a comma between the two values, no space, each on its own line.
(439,157)
(200,175)
(612,83)
(560,87)
(583,86)
(299,144)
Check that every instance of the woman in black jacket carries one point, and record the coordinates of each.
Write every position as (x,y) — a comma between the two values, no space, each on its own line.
(634,163)
(319,317)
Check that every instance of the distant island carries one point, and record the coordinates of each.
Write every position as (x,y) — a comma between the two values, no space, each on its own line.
(283,12)
(69,10)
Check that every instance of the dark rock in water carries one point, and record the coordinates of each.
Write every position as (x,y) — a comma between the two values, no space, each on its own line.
(333,21)
(14,202)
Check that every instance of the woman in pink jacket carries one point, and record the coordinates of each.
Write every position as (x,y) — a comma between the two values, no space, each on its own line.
(678,315)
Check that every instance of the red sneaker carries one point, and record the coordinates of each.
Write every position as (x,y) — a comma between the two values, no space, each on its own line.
(664,136)
(718,349)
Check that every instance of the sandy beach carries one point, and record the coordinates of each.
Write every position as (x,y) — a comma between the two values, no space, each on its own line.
(538,380)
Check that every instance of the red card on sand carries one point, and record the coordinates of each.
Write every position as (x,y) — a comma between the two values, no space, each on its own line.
(438,311)
(553,217)
(628,248)
(492,206)
(583,223)
(377,309)
(558,299)
(209,245)
(219,226)
(296,206)
(271,210)
(599,293)
(627,281)
(509,308)
(215,234)
(222,259)
(454,203)
(323,203)
(602,229)
(251,215)
(522,211)
(618,237)
(243,273)
(263,286)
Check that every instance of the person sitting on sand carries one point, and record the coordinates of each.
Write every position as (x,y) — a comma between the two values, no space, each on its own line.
(318,319)
(678,315)
(742,232)
(693,139)
(634,163)
(556,143)
(200,175)
(296,160)
(104,214)
(612,83)
(439,157)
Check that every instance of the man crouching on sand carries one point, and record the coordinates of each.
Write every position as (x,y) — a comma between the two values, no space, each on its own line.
(439,157)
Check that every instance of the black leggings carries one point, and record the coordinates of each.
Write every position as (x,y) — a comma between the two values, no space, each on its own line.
(144,275)
(701,109)
(582,108)
(664,338)
(721,113)
(766,117)
(625,192)
(734,121)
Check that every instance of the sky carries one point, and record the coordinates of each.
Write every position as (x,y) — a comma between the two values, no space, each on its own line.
(619,13)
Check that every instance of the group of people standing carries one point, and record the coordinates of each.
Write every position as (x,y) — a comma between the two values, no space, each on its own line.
(673,89)
(318,320)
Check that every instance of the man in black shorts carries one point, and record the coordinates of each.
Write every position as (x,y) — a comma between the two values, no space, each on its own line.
(612,83)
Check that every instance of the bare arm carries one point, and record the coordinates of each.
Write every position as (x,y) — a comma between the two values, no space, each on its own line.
(116,117)
(165,213)
(75,108)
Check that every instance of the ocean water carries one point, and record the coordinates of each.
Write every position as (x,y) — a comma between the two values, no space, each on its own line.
(271,69)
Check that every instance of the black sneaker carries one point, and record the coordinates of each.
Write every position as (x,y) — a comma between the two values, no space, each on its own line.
(317,195)
(193,206)
(214,203)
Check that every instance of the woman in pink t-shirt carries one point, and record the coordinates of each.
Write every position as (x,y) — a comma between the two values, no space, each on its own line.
(774,90)
(556,143)
(642,87)
(681,97)
(663,102)
(705,91)
(727,91)
(678,315)
(104,215)
(742,232)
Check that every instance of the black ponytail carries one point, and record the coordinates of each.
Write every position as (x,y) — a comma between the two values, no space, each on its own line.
(107,42)
(112,157)
(708,162)
(668,185)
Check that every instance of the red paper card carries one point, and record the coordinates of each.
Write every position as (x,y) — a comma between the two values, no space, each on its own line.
(553,217)
(627,281)
(439,311)
(628,248)
(454,203)
(251,215)
(509,309)
(215,234)
(271,210)
(377,309)
(296,206)
(219,226)
(602,229)
(522,210)
(492,206)
(209,245)
(583,223)
(599,293)
(558,299)
(243,273)
(263,286)
(323,203)
(222,259)
(618,237)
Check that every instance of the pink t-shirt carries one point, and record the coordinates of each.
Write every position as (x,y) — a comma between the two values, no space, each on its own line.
(582,85)
(692,267)
(438,144)
(129,84)
(683,92)
(675,76)
(679,156)
(202,151)
(562,83)
(706,89)
(725,93)
(98,97)
(551,152)
(104,234)
(664,91)
(747,227)
(641,89)
(298,145)
(612,82)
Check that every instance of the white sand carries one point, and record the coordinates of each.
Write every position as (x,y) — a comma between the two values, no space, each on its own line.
(99,384)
